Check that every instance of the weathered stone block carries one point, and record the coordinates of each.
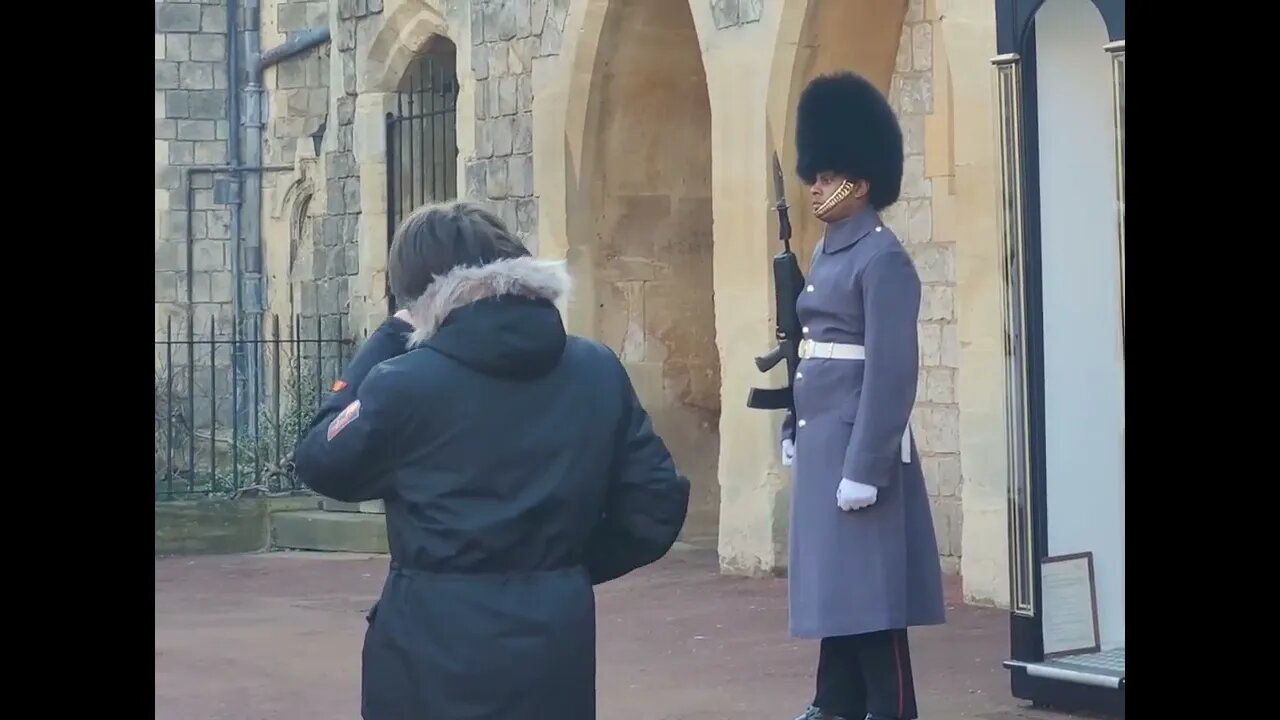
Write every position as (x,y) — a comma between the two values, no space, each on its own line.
(177,104)
(219,224)
(524,91)
(492,102)
(291,74)
(182,153)
(211,527)
(160,51)
(212,152)
(496,183)
(520,177)
(484,138)
(902,63)
(481,94)
(507,211)
(498,59)
(177,18)
(208,255)
(939,429)
(351,194)
(930,344)
(177,46)
(508,102)
(167,75)
(292,17)
(537,16)
(527,216)
(523,15)
(334,202)
(196,75)
(750,11)
(551,39)
(940,386)
(950,346)
(318,13)
(348,73)
(351,258)
(916,94)
(502,129)
(344,164)
(208,104)
(914,183)
(220,286)
(724,13)
(318,70)
(522,133)
(922,46)
(167,287)
(166,130)
(480,62)
(476,179)
(941,475)
(477,23)
(208,48)
(196,130)
(915,10)
(200,288)
(934,263)
(938,303)
(213,18)
(375,6)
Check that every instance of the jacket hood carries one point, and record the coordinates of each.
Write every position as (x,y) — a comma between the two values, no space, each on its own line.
(500,319)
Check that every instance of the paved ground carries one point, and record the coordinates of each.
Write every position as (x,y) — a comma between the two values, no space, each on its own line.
(277,637)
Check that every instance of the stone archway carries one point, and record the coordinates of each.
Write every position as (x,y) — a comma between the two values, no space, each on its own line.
(640,235)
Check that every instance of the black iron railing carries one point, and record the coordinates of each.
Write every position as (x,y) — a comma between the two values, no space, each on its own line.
(231,405)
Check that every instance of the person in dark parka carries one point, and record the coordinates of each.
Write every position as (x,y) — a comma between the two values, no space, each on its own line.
(864,561)
(518,470)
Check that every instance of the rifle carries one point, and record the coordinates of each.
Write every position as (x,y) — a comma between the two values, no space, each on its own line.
(787,284)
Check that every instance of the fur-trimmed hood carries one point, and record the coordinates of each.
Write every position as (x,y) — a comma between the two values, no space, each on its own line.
(502,318)
(523,277)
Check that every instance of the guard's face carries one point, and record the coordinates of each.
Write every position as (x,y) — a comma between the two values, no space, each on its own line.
(827,184)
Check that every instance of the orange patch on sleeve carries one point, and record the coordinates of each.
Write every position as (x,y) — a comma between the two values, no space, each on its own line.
(339,386)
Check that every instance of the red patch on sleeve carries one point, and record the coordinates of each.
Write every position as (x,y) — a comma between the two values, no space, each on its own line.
(348,414)
(338,386)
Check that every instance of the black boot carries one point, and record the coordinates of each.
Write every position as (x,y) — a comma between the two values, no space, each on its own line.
(813,713)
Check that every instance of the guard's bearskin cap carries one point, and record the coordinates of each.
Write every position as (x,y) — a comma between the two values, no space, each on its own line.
(845,125)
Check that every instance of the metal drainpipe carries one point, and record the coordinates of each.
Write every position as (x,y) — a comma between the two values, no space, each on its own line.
(250,201)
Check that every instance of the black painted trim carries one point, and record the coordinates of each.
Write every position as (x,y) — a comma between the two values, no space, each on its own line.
(1016,33)
(1014,19)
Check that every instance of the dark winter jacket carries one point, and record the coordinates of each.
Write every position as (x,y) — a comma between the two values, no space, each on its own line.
(518,469)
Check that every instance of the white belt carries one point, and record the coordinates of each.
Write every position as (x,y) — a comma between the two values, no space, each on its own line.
(810,349)
(831,351)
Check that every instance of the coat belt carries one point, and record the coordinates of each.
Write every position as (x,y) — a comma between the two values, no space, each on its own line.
(811,349)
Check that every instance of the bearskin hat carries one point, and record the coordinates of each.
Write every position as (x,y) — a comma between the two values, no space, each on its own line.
(845,125)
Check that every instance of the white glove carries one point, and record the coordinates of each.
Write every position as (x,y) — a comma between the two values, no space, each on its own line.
(788,452)
(854,495)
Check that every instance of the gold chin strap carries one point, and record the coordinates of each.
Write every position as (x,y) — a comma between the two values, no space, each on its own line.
(837,197)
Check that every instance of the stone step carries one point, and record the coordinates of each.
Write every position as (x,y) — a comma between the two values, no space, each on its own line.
(373,507)
(354,532)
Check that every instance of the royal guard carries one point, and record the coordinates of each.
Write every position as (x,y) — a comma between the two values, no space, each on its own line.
(863,557)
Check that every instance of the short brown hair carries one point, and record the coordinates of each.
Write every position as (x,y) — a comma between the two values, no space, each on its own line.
(437,238)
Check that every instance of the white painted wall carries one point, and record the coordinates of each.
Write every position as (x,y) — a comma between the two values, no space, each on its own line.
(1084,360)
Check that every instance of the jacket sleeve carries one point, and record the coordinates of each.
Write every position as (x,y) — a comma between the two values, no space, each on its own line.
(343,454)
(646,503)
(891,301)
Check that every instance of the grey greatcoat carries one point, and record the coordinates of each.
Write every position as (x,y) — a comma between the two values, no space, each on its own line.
(874,568)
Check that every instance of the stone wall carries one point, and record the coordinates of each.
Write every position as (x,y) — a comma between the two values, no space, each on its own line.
(506,35)
(936,421)
(191,90)
(305,275)
(732,13)
(191,129)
